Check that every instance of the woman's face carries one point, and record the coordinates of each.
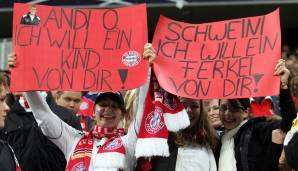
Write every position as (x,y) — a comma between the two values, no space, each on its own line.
(193,109)
(108,113)
(231,116)
(213,113)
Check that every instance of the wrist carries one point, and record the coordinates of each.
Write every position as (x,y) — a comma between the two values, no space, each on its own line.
(284,84)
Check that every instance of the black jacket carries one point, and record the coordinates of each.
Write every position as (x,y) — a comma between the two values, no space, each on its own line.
(34,151)
(7,161)
(291,151)
(26,19)
(63,113)
(254,149)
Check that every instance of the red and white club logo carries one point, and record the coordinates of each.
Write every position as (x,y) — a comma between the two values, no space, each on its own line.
(115,144)
(153,122)
(78,167)
(84,106)
(131,58)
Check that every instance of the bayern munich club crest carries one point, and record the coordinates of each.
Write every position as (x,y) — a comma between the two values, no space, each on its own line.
(113,145)
(78,167)
(153,122)
(131,58)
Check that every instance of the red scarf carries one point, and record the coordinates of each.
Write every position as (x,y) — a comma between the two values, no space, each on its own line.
(163,112)
(81,156)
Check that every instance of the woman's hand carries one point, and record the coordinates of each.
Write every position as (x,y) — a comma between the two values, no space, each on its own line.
(149,52)
(283,72)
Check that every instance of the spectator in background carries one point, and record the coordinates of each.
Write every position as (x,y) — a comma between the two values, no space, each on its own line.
(250,144)
(8,161)
(213,115)
(10,99)
(69,99)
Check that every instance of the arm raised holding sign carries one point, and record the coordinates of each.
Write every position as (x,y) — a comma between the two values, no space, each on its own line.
(104,146)
(246,142)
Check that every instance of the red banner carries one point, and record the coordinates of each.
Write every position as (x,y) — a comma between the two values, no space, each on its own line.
(79,49)
(226,59)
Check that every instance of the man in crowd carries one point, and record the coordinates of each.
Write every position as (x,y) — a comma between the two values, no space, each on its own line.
(71,100)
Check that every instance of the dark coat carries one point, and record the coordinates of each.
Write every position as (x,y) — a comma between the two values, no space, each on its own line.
(7,161)
(26,19)
(254,149)
(291,152)
(34,151)
(65,114)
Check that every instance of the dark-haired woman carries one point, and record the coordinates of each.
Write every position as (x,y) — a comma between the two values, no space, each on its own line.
(247,144)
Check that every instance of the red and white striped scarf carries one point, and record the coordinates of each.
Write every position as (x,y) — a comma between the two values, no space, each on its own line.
(162,112)
(110,151)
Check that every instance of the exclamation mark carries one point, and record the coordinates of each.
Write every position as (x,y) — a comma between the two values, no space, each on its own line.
(257,78)
(123,76)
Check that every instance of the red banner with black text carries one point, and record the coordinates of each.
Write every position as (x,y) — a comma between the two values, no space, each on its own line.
(79,49)
(225,59)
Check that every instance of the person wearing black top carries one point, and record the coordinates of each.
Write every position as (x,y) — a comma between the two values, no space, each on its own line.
(8,161)
(34,150)
(30,18)
(247,144)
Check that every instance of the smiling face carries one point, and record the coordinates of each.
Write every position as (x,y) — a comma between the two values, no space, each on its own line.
(108,113)
(231,115)
(213,113)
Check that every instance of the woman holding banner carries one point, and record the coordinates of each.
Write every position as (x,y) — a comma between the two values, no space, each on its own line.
(190,148)
(254,144)
(175,133)
(105,147)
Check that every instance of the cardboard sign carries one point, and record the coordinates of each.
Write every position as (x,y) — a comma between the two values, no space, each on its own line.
(79,49)
(226,59)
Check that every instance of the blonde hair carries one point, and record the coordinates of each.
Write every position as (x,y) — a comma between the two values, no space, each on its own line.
(202,133)
(32,7)
(129,100)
